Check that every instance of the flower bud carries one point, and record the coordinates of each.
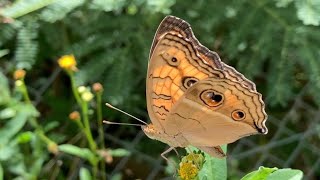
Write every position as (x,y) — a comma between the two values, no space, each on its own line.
(19,74)
(97,87)
(75,115)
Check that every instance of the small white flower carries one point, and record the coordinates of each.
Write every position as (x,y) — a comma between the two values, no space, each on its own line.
(87,96)
(18,83)
(82,89)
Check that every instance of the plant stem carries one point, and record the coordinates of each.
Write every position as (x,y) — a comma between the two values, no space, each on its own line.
(88,134)
(25,93)
(33,121)
(87,130)
(101,132)
(74,88)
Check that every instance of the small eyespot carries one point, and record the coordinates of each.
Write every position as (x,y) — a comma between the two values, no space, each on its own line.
(212,98)
(189,81)
(238,115)
(173,59)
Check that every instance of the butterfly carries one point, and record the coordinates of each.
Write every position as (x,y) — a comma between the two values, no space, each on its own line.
(193,98)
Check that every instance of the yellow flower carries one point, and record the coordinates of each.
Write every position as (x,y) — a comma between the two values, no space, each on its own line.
(19,74)
(188,171)
(68,62)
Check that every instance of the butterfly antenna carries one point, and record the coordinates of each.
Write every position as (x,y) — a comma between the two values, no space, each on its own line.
(129,124)
(112,107)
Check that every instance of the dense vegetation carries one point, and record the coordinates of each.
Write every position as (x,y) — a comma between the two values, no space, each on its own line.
(274,43)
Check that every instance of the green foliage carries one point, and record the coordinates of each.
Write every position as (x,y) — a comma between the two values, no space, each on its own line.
(281,53)
(274,174)
(212,168)
(84,153)
(27,46)
(85,174)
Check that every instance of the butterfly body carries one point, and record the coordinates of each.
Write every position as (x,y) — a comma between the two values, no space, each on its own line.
(193,98)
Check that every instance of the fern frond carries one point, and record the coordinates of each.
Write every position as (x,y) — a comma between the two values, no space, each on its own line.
(27,45)
(108,5)
(59,9)
(7,32)
(23,7)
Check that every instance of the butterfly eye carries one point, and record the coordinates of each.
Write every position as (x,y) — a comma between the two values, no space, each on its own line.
(238,115)
(212,98)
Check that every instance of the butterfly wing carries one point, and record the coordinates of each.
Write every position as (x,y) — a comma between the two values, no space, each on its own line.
(177,61)
(218,111)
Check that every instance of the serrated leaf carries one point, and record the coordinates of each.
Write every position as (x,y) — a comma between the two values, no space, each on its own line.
(287,174)
(84,153)
(85,174)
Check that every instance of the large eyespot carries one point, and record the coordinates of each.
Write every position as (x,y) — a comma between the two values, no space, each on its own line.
(238,115)
(212,98)
(189,81)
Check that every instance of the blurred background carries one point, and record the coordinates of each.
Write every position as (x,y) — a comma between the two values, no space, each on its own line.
(273,43)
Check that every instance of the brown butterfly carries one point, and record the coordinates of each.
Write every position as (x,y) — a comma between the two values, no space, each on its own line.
(194,98)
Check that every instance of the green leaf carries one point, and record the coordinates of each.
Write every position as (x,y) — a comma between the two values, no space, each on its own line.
(23,7)
(1,172)
(24,137)
(308,11)
(4,93)
(108,5)
(85,174)
(7,151)
(261,173)
(117,176)
(51,125)
(4,52)
(287,174)
(213,168)
(59,10)
(14,125)
(119,152)
(7,113)
(84,153)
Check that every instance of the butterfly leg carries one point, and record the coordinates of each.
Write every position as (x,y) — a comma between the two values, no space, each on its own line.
(170,161)
(166,152)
